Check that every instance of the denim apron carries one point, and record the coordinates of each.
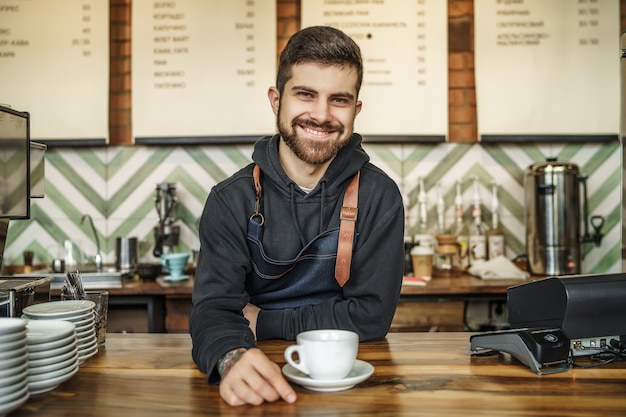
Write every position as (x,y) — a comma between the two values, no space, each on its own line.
(307,279)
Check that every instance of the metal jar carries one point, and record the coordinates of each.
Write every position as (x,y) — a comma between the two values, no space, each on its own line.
(553,218)
(126,251)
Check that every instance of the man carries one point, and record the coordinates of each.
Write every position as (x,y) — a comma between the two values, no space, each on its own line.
(266,268)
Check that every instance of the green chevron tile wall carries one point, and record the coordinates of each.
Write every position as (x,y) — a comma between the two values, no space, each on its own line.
(116,186)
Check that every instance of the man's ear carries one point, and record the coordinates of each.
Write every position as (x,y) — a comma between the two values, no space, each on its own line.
(274,96)
(359,105)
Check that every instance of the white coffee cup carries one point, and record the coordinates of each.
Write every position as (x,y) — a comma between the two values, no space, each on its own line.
(324,354)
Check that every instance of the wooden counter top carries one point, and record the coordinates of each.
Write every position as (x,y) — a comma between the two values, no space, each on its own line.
(416,374)
(463,285)
(139,287)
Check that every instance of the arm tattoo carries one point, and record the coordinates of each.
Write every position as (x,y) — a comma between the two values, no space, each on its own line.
(229,360)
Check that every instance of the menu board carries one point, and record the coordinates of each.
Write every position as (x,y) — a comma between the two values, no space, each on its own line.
(404,44)
(54,61)
(201,69)
(547,68)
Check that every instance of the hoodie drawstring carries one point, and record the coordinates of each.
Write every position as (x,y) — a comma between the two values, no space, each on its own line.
(294,214)
(323,199)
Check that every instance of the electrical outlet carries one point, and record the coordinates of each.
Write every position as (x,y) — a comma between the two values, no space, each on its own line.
(499,312)
(486,315)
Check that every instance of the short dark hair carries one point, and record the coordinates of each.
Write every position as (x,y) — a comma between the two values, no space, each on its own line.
(323,45)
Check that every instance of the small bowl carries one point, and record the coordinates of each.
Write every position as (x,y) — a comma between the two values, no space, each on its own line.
(148,272)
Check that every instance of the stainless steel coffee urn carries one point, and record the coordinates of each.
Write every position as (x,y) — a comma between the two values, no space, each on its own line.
(553,218)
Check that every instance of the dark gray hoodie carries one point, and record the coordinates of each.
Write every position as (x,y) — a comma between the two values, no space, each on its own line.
(292,219)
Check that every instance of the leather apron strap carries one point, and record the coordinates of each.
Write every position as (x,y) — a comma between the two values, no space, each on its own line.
(349,212)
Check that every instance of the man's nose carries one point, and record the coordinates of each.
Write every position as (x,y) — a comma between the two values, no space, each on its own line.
(321,111)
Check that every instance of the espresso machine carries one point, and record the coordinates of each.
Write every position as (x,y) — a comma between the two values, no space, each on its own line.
(554,218)
(166,235)
(21,178)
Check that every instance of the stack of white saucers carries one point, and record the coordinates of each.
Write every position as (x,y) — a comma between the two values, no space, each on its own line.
(13,364)
(79,312)
(52,354)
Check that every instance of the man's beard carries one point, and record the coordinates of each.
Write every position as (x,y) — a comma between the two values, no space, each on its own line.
(308,150)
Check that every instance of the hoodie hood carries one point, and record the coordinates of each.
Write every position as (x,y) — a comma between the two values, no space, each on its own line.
(348,161)
(331,186)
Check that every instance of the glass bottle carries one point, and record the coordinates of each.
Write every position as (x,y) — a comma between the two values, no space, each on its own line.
(495,236)
(423,236)
(477,230)
(441,212)
(447,262)
(460,230)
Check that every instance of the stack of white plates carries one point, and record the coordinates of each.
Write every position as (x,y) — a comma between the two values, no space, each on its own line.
(52,354)
(79,312)
(13,364)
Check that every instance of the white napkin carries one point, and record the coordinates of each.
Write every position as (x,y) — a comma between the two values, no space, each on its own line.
(497,268)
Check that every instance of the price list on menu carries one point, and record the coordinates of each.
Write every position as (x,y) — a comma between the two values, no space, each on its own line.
(404,44)
(57,69)
(201,69)
(546,68)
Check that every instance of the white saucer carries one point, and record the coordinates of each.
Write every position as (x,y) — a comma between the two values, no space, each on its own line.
(87,353)
(10,363)
(83,320)
(46,353)
(68,366)
(80,330)
(359,373)
(11,325)
(36,363)
(42,331)
(6,353)
(11,337)
(39,387)
(39,347)
(86,336)
(16,344)
(78,318)
(176,278)
(45,371)
(17,385)
(59,309)
(6,406)
(14,376)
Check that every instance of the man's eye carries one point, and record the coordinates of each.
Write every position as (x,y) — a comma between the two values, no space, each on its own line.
(305,94)
(340,101)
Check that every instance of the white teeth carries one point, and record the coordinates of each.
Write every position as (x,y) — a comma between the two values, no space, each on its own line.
(314,132)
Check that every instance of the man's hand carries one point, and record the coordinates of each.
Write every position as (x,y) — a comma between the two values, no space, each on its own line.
(251,312)
(254,379)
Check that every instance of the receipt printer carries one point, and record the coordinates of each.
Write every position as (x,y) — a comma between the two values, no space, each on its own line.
(544,350)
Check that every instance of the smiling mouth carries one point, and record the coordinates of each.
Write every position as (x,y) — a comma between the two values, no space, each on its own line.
(317,130)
